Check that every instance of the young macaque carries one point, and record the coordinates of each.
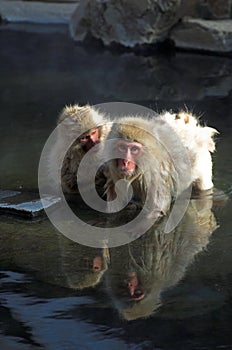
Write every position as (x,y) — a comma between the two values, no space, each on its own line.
(87,127)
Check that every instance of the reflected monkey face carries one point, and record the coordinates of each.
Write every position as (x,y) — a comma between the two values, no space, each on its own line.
(135,289)
(94,264)
(127,287)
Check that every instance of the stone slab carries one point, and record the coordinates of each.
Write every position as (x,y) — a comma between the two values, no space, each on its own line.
(205,35)
(25,204)
(207,9)
(8,193)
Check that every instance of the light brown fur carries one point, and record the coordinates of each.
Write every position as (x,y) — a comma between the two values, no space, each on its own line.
(158,177)
(73,121)
(176,154)
(159,260)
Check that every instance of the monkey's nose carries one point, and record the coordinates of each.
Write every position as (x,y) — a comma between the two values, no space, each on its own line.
(97,264)
(128,154)
(131,289)
(125,162)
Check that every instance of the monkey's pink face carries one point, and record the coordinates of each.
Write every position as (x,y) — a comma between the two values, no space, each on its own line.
(90,139)
(129,152)
(136,292)
(94,264)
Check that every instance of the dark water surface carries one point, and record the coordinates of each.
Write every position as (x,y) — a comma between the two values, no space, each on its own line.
(56,294)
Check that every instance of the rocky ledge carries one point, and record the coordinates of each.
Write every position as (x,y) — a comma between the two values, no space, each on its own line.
(133,23)
(24,204)
(204,35)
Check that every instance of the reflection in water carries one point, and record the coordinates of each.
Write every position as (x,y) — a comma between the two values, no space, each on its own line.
(135,275)
(38,248)
(139,272)
(82,266)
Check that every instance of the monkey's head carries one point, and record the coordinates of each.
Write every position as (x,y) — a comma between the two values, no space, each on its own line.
(133,144)
(82,266)
(86,123)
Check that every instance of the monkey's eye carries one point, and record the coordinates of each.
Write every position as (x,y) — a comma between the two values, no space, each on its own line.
(85,138)
(135,150)
(122,148)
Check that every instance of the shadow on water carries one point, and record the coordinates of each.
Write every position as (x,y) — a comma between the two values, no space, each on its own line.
(161,291)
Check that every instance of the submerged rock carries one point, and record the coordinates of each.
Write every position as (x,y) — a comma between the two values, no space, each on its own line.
(24,204)
(126,22)
(205,35)
(8,193)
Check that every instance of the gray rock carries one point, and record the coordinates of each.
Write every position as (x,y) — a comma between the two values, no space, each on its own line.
(8,193)
(127,22)
(199,34)
(207,9)
(211,9)
(25,204)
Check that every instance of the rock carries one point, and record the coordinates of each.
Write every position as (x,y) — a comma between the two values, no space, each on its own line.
(127,22)
(24,204)
(8,193)
(205,35)
(207,9)
(211,9)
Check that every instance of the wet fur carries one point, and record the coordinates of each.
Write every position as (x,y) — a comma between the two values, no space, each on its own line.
(176,154)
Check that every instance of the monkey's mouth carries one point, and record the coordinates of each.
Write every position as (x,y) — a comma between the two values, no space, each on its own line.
(126,171)
(138,295)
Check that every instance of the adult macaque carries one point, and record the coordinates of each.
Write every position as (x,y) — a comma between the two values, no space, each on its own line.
(88,128)
(145,162)
(160,158)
